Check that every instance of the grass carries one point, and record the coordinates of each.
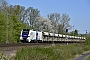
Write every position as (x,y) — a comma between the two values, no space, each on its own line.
(88,58)
(50,53)
(54,52)
(3,57)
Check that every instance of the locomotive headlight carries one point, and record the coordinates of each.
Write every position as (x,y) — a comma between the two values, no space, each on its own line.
(28,38)
(21,38)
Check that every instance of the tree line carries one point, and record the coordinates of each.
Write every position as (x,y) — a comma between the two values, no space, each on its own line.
(19,17)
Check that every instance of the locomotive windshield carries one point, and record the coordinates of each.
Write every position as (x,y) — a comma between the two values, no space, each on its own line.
(25,31)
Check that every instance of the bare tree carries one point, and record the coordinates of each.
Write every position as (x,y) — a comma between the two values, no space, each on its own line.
(29,16)
(32,13)
(65,22)
(55,19)
(3,5)
(60,23)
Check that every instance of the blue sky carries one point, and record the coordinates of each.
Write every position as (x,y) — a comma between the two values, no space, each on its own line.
(78,10)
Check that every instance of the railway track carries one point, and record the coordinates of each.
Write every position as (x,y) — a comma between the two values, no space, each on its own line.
(10,49)
(22,44)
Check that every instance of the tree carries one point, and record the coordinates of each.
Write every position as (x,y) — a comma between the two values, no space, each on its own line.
(76,32)
(60,23)
(3,5)
(14,23)
(2,28)
(65,22)
(55,18)
(29,16)
(43,24)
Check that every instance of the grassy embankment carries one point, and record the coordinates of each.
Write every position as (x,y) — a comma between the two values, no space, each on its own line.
(50,53)
(88,58)
(56,52)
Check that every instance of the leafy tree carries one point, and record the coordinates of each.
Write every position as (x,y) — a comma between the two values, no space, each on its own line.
(14,23)
(2,28)
(76,32)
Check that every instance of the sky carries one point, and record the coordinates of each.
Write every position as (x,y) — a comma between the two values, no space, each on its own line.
(78,10)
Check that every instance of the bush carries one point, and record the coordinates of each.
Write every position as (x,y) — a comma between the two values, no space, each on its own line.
(86,48)
(3,57)
(87,42)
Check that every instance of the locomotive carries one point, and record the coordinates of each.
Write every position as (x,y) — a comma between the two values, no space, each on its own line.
(28,35)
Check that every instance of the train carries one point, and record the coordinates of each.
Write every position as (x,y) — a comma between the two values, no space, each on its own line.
(28,35)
